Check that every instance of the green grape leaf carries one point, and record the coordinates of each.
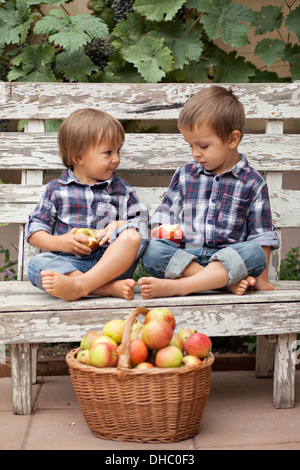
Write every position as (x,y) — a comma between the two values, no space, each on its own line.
(71,32)
(75,67)
(129,32)
(14,22)
(293,20)
(295,67)
(151,58)
(158,9)
(32,64)
(267,19)
(184,44)
(226,20)
(270,50)
(232,69)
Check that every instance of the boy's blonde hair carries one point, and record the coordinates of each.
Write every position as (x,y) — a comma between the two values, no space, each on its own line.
(217,107)
(84,128)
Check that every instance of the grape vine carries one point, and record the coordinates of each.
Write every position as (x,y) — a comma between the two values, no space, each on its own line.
(98,51)
(121,8)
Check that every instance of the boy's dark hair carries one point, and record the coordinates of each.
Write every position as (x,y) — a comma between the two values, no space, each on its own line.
(84,128)
(215,106)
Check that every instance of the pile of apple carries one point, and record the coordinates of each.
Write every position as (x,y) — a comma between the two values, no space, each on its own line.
(152,344)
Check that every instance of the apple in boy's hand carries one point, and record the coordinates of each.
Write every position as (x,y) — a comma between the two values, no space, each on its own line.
(169,232)
(93,241)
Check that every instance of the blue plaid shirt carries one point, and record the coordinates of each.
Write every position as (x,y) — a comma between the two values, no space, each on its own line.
(67,203)
(217,210)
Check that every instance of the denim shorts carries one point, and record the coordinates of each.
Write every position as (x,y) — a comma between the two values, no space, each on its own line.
(66,263)
(164,259)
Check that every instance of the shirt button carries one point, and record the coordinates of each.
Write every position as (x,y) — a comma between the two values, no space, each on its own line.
(217,178)
(213,201)
(210,222)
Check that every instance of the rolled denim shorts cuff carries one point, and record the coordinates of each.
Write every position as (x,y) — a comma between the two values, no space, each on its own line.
(177,264)
(233,264)
(64,267)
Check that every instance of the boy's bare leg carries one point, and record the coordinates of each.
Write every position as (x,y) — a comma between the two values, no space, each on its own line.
(100,279)
(195,278)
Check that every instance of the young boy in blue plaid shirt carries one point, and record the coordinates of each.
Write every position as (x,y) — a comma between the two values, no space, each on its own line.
(221,204)
(88,195)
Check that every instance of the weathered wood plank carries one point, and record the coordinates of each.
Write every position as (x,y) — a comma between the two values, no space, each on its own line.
(18,201)
(138,101)
(26,288)
(21,378)
(284,372)
(154,153)
(214,320)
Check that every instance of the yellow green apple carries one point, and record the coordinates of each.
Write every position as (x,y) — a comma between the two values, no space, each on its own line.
(103,355)
(184,333)
(92,241)
(170,356)
(114,329)
(88,339)
(190,361)
(83,356)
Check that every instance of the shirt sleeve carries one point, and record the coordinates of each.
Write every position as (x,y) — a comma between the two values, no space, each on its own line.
(44,215)
(169,210)
(135,213)
(260,226)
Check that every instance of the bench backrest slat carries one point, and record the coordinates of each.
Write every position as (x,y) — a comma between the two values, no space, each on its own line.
(138,101)
(149,152)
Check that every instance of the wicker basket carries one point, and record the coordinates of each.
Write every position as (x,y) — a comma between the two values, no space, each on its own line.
(153,405)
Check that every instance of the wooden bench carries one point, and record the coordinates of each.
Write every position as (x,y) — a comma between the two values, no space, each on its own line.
(29,316)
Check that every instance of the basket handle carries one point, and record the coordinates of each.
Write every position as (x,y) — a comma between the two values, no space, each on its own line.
(124,358)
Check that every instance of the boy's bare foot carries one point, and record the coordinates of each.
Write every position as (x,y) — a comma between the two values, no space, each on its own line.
(153,287)
(241,287)
(263,284)
(123,289)
(71,287)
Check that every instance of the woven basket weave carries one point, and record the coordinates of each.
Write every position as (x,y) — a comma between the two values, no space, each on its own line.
(153,405)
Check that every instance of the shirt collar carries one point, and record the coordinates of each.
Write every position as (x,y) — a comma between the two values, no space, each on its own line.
(68,177)
(240,170)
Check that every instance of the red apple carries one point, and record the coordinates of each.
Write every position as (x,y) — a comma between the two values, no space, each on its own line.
(161,313)
(138,351)
(198,344)
(93,241)
(103,355)
(184,333)
(169,232)
(103,339)
(157,334)
(88,338)
(177,341)
(144,365)
(170,356)
(83,356)
(190,361)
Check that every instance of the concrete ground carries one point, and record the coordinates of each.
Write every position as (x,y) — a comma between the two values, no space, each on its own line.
(239,415)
